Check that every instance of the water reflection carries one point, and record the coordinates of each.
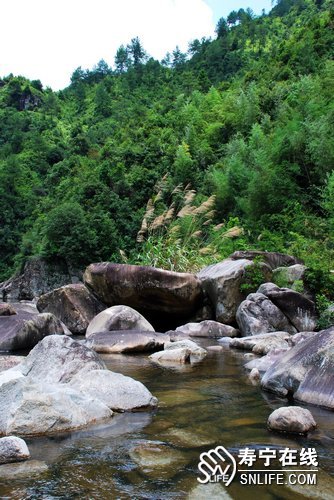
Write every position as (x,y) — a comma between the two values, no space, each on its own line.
(206,405)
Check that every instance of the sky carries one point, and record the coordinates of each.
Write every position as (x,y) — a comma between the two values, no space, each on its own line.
(49,39)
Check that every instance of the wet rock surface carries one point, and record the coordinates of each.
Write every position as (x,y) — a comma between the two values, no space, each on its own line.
(62,385)
(291,419)
(13,449)
(180,352)
(262,344)
(127,341)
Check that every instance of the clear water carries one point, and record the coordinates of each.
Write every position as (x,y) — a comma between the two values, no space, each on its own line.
(200,407)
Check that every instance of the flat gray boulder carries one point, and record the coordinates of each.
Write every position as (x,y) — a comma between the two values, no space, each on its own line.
(291,419)
(73,304)
(263,343)
(298,308)
(127,341)
(222,284)
(24,329)
(263,363)
(118,318)
(306,371)
(258,314)
(127,394)
(180,352)
(62,385)
(207,329)
(13,449)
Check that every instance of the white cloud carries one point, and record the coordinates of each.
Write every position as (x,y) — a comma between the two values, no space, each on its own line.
(48,39)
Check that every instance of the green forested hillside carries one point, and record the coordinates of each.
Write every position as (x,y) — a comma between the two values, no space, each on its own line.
(230,146)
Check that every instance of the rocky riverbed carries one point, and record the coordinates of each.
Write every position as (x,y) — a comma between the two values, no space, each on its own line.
(171,346)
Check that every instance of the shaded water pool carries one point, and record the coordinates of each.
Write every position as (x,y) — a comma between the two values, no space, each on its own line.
(200,407)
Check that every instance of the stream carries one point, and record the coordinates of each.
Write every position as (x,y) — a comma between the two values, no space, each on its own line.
(200,407)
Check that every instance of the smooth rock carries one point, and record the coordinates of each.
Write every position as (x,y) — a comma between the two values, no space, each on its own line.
(161,296)
(24,330)
(208,329)
(127,341)
(29,407)
(116,391)
(13,449)
(58,359)
(62,385)
(263,343)
(292,419)
(184,351)
(257,315)
(118,318)
(74,305)
(306,371)
(6,309)
(299,309)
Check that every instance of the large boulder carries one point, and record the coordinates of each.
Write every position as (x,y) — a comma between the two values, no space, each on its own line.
(272,259)
(127,341)
(262,343)
(163,297)
(127,394)
(74,305)
(207,329)
(13,449)
(257,314)
(62,385)
(299,309)
(38,276)
(24,330)
(291,419)
(118,318)
(221,283)
(306,371)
